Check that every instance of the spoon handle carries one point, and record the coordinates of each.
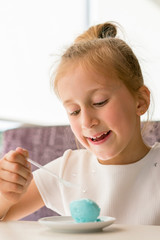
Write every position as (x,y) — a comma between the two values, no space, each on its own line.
(64,182)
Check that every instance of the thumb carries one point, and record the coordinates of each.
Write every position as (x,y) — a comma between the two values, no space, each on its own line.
(22,151)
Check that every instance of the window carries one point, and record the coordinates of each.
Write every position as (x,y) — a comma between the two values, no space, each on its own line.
(32,33)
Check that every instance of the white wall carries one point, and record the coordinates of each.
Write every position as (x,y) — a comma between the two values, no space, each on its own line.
(140,20)
(31,31)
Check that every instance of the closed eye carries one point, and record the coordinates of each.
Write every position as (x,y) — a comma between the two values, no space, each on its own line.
(101,103)
(74,113)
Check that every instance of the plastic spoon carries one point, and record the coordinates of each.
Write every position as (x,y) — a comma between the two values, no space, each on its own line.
(61,180)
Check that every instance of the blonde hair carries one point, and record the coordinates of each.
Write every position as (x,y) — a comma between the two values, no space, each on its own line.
(96,49)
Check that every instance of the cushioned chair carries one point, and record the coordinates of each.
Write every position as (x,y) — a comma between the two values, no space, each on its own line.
(47,143)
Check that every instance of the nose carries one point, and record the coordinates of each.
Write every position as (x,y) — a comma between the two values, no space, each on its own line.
(88,118)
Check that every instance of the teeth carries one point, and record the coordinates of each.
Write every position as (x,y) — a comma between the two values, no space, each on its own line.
(95,138)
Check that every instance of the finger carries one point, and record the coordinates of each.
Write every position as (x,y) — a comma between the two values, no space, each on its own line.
(11,187)
(7,186)
(22,151)
(16,157)
(16,168)
(13,177)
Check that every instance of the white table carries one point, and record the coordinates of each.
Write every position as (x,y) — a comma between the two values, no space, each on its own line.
(23,230)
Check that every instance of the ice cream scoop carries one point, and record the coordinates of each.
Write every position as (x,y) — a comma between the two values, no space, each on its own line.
(84,210)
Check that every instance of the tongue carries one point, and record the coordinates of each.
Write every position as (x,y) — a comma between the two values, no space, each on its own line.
(102,137)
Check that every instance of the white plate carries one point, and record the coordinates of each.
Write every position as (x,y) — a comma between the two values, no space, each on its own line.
(67,224)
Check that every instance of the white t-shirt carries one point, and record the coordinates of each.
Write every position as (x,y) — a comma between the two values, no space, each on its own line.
(130,192)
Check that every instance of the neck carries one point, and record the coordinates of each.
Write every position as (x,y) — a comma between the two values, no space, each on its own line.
(130,154)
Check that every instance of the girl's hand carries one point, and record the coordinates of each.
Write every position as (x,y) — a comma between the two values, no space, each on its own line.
(15,175)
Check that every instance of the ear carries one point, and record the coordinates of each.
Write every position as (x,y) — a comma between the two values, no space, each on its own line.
(143,100)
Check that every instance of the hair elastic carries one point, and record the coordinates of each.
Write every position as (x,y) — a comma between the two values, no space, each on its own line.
(107,31)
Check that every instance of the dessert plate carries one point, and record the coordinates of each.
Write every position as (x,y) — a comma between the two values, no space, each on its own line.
(67,224)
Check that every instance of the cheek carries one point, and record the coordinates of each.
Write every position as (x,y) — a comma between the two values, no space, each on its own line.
(119,114)
(75,127)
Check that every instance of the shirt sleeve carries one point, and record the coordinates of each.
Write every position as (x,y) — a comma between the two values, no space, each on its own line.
(48,186)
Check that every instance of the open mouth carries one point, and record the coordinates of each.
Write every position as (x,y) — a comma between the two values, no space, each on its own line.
(101,137)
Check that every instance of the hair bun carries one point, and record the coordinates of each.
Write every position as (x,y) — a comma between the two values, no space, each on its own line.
(107,30)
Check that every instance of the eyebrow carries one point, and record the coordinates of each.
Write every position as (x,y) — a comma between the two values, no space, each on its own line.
(67,101)
(91,91)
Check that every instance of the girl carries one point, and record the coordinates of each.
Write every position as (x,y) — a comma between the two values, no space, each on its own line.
(100,84)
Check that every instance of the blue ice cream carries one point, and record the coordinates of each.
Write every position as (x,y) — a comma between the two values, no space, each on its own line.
(84,210)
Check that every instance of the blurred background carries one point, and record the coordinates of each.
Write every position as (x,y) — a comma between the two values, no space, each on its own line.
(34,32)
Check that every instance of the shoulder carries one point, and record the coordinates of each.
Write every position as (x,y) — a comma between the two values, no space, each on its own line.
(154,154)
(69,160)
(156,148)
(70,157)
(156,145)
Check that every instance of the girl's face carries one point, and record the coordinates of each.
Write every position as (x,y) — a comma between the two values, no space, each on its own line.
(102,113)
